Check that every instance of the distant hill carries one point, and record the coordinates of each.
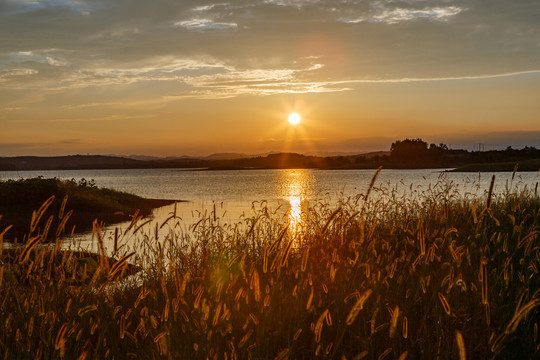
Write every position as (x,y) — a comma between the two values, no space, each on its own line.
(141,157)
(273,161)
(373,154)
(337,153)
(70,162)
(236,156)
(226,156)
(406,154)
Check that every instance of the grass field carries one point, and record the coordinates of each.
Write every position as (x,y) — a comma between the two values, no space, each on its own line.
(376,276)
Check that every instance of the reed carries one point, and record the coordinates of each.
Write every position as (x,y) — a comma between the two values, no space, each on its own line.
(435,275)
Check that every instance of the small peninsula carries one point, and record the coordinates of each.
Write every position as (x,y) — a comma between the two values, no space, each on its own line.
(54,199)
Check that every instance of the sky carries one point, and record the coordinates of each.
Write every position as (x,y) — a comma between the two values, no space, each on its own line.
(192,77)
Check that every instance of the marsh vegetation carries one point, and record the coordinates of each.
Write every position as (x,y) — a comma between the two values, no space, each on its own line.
(379,275)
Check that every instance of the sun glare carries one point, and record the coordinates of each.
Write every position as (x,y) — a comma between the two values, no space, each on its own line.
(294,119)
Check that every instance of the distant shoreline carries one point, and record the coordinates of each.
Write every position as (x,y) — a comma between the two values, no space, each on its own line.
(405,156)
(487,167)
(522,166)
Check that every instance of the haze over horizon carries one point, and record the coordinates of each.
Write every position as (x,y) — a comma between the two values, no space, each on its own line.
(172,78)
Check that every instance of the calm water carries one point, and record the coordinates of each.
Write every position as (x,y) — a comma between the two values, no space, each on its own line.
(234,192)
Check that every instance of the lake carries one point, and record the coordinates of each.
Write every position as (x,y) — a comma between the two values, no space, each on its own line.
(236,193)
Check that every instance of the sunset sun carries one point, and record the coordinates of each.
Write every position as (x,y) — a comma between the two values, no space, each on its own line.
(294,119)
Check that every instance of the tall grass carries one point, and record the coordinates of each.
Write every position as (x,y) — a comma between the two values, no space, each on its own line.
(375,276)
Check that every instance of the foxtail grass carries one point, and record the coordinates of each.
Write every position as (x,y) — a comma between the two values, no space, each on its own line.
(378,276)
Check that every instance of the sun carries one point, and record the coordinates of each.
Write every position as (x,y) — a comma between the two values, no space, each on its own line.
(294,119)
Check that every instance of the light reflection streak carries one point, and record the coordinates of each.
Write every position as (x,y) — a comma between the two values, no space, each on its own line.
(296,184)
(295,212)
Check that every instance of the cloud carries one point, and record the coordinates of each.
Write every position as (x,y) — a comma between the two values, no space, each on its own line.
(205,78)
(294,3)
(15,7)
(116,33)
(204,8)
(224,91)
(42,57)
(450,78)
(205,25)
(89,105)
(260,46)
(12,108)
(210,78)
(158,69)
(106,118)
(393,16)
(6,75)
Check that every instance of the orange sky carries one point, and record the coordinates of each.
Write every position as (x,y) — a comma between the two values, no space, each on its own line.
(197,77)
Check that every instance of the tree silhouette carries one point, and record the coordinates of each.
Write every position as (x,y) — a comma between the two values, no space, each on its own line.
(409,150)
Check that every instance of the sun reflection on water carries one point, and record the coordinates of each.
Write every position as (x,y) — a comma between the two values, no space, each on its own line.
(296,183)
(295,212)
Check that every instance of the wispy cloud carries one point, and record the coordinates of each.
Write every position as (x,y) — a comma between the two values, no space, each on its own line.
(224,91)
(116,33)
(200,78)
(449,78)
(43,57)
(393,16)
(158,69)
(8,74)
(14,7)
(235,82)
(211,78)
(203,25)
(13,108)
(295,3)
(89,105)
(218,89)
(204,8)
(106,118)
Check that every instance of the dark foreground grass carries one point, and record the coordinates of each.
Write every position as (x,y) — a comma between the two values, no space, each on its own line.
(18,199)
(377,276)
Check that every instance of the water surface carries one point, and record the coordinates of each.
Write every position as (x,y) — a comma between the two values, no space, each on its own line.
(236,194)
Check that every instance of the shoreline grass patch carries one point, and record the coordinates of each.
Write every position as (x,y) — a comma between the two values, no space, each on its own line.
(19,198)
